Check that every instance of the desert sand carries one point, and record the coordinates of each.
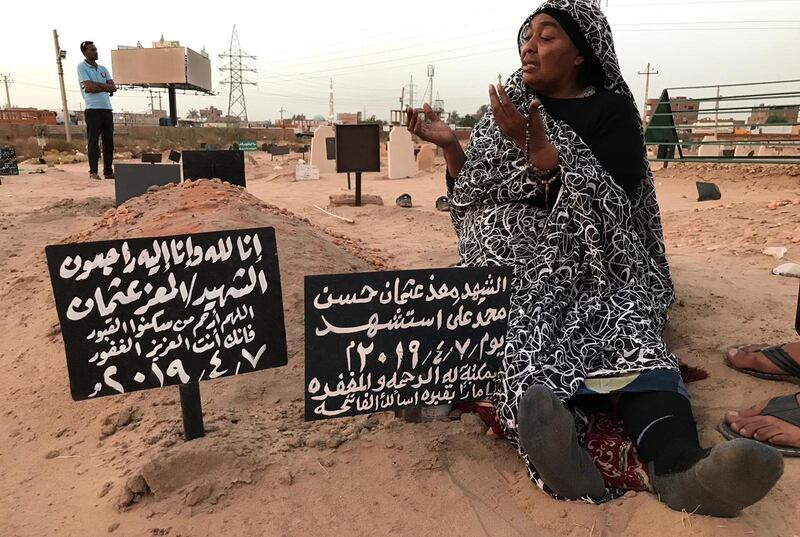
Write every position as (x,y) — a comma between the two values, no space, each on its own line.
(119,466)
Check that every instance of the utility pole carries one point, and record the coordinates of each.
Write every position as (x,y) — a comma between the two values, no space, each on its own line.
(61,54)
(647,75)
(7,81)
(152,106)
(159,102)
(283,125)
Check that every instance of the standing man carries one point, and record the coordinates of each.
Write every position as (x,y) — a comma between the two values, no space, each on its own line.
(97,88)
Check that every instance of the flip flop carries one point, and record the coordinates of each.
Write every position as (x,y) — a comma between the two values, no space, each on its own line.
(778,356)
(442,203)
(785,408)
(404,201)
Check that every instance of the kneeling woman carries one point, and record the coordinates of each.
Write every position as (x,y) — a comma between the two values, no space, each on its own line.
(555,183)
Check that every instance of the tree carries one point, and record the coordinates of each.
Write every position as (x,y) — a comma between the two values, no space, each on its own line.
(481,111)
(193,114)
(453,118)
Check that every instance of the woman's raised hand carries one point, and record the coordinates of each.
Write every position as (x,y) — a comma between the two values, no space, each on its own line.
(431,129)
(513,124)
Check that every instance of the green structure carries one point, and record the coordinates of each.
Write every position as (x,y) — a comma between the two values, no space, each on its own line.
(761,126)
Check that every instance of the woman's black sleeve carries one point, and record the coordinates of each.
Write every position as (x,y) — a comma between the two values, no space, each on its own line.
(618,143)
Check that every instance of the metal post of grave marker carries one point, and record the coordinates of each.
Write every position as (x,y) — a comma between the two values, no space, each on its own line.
(192,411)
(797,315)
(358,151)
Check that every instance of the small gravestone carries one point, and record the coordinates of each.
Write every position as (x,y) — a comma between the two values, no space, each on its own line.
(321,155)
(306,172)
(151,158)
(707,192)
(401,154)
(426,157)
(388,340)
(134,179)
(248,145)
(8,161)
(225,165)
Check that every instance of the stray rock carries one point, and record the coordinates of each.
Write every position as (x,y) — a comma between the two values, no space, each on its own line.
(106,489)
(52,454)
(137,485)
(113,527)
(198,494)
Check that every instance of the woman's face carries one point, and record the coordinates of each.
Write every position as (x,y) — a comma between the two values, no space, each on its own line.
(549,57)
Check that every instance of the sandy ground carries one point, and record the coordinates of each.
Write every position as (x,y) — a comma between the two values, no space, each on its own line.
(118,465)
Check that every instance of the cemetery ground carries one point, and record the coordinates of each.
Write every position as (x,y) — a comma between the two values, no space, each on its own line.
(119,465)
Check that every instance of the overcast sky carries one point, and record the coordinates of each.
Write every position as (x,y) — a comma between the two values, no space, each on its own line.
(371,49)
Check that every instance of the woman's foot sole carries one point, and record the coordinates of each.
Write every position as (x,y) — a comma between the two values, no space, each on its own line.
(734,475)
(548,436)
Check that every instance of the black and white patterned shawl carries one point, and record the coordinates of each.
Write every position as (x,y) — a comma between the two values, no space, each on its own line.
(592,283)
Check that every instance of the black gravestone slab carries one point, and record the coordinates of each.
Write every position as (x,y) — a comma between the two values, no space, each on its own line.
(277,150)
(134,179)
(151,158)
(174,156)
(387,340)
(8,161)
(707,192)
(358,148)
(224,165)
(146,313)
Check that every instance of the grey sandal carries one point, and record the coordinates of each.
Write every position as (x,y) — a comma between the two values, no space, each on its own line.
(785,408)
(778,356)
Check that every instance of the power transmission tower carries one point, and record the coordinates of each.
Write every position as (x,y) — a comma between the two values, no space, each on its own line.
(234,69)
(431,72)
(7,81)
(647,73)
(411,87)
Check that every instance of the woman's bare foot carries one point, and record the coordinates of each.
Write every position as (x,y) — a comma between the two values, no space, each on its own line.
(750,357)
(751,424)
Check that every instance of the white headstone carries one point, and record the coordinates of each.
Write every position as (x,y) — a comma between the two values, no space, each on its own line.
(401,154)
(319,149)
(709,150)
(306,172)
(426,157)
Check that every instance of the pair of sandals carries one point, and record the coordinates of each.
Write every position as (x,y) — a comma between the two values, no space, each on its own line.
(786,407)
(404,201)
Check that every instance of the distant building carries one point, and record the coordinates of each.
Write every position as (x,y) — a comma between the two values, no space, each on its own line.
(134,118)
(762,115)
(27,116)
(346,118)
(211,114)
(684,110)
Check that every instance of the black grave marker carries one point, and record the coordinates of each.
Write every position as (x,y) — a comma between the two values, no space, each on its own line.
(208,164)
(8,161)
(707,191)
(387,340)
(147,313)
(134,179)
(358,149)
